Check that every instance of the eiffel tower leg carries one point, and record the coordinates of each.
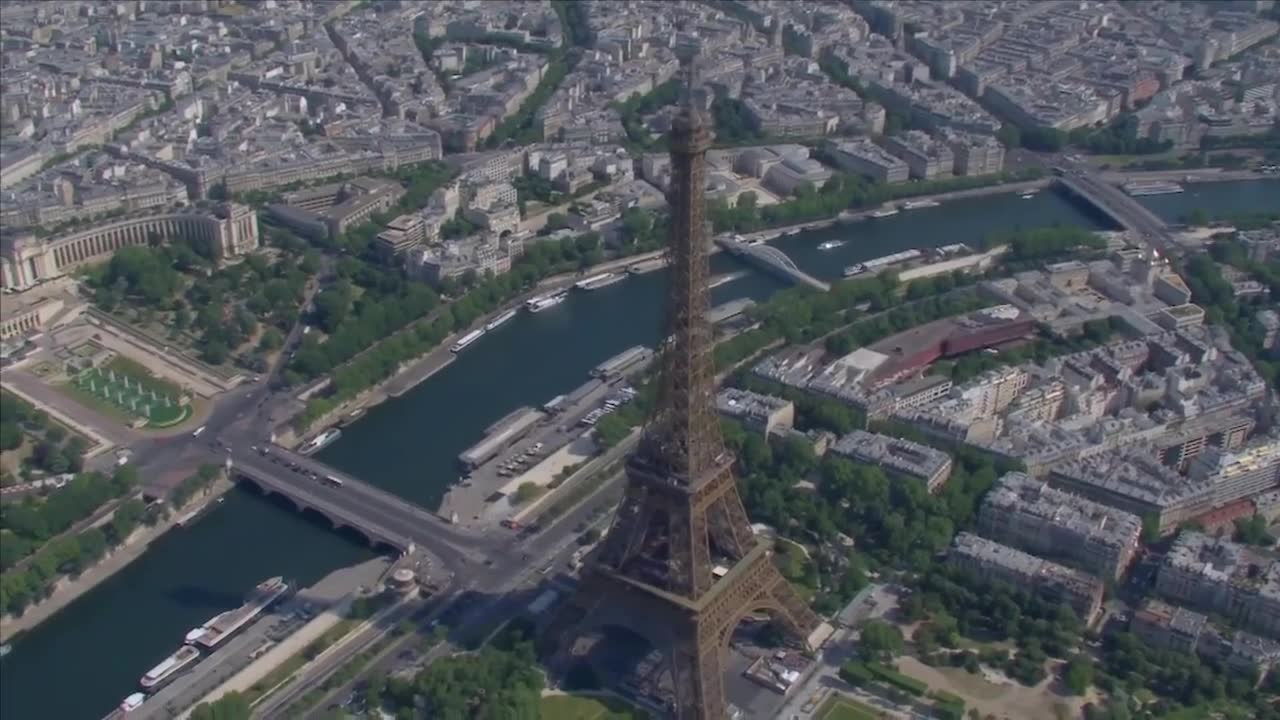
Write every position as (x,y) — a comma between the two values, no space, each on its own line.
(698,674)
(791,610)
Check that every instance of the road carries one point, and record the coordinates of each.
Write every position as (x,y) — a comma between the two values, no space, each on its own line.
(362,640)
(470,612)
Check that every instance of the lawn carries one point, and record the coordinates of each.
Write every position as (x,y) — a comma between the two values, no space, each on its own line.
(126,389)
(842,708)
(581,707)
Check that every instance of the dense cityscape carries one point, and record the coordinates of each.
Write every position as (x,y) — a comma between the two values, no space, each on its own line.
(575,359)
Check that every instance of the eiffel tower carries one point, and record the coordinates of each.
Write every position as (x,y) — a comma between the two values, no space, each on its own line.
(681,565)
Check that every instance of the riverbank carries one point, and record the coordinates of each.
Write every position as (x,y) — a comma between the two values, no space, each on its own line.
(415,372)
(859,215)
(66,590)
(256,671)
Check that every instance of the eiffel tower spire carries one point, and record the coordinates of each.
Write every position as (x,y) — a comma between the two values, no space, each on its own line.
(682,439)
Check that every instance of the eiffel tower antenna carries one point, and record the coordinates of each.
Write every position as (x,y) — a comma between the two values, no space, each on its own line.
(681,565)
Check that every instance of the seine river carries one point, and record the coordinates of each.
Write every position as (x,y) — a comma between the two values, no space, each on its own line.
(80,663)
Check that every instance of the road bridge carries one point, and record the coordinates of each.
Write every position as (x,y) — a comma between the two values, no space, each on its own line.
(382,517)
(772,260)
(1119,207)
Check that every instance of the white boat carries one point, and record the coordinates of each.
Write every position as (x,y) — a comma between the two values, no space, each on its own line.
(5,649)
(1028,195)
(722,279)
(884,213)
(599,281)
(917,204)
(1141,189)
(499,321)
(169,668)
(133,702)
(223,625)
(880,263)
(467,339)
(320,441)
(830,244)
(539,304)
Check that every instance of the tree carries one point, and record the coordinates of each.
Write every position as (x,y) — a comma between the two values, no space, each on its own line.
(879,641)
(10,436)
(1253,531)
(232,706)
(489,684)
(1009,136)
(526,492)
(1197,218)
(557,221)
(610,430)
(271,339)
(1079,674)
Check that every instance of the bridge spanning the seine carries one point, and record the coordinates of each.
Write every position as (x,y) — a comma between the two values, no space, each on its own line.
(771,260)
(348,502)
(1122,209)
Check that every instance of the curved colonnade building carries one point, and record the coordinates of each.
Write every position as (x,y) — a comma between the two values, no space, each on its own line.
(229,228)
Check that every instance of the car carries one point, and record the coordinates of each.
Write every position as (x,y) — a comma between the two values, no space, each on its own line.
(537,446)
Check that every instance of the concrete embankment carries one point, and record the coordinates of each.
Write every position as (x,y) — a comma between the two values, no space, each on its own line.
(335,593)
(67,589)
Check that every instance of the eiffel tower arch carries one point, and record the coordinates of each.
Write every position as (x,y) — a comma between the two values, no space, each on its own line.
(681,565)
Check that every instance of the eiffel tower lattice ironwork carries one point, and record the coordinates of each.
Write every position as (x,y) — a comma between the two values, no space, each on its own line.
(681,565)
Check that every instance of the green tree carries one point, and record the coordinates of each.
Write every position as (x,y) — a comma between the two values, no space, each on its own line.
(1253,531)
(10,435)
(879,641)
(526,492)
(232,706)
(610,430)
(1078,675)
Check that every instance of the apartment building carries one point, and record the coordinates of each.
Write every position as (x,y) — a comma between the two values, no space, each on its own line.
(761,413)
(897,457)
(1026,513)
(1223,577)
(995,562)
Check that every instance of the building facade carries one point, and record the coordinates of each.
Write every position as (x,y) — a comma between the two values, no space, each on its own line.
(1223,577)
(992,561)
(1028,514)
(228,229)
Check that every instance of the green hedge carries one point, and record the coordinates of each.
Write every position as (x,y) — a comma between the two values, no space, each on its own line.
(897,679)
(856,674)
(946,698)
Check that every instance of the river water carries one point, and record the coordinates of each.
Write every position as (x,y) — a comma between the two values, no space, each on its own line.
(80,663)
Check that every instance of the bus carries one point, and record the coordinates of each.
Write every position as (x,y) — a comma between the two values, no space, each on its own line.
(331,480)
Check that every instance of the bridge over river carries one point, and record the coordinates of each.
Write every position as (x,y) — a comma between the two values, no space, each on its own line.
(772,260)
(1125,211)
(347,501)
